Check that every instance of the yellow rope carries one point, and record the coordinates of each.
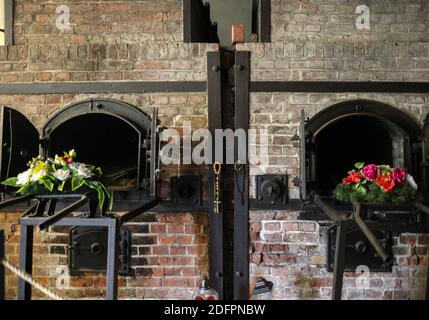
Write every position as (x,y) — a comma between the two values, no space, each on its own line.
(28,278)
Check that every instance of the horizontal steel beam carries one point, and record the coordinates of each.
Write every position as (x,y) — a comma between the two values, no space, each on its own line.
(103,87)
(71,222)
(339,86)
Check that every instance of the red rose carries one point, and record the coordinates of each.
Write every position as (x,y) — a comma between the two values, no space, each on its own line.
(353,177)
(385,181)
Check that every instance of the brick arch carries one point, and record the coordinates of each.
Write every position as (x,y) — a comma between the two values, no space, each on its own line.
(360,107)
(122,110)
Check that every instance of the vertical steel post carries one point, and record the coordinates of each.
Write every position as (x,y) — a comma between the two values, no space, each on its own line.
(25,259)
(340,251)
(241,177)
(216,247)
(112,260)
(2,275)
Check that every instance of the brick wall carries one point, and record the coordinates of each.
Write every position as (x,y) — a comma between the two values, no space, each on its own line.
(110,22)
(114,41)
(169,256)
(317,40)
(292,254)
(142,40)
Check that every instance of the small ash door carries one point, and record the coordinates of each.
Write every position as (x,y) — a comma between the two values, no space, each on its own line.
(19,141)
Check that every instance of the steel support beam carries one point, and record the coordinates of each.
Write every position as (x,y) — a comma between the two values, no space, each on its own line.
(103,87)
(340,252)
(216,248)
(241,177)
(25,259)
(2,274)
(339,86)
(26,250)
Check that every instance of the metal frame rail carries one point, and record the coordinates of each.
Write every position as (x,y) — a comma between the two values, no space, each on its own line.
(34,217)
(345,222)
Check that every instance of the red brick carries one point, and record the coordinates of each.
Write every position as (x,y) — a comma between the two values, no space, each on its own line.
(172,271)
(44,76)
(192,229)
(201,239)
(272,226)
(178,250)
(290,226)
(172,240)
(145,282)
(273,237)
(179,261)
(185,283)
(160,250)
(158,228)
(175,229)
(81,282)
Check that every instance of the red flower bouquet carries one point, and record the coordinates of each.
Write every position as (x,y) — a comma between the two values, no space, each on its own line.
(379,184)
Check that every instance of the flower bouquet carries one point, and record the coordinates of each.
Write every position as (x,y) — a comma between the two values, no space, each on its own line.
(60,175)
(377,184)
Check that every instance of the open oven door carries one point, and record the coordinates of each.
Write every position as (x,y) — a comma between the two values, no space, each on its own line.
(307,161)
(425,163)
(19,143)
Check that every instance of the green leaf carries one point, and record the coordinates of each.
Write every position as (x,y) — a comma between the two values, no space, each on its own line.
(110,200)
(360,165)
(12,182)
(61,186)
(77,182)
(97,171)
(101,197)
(48,184)
(22,189)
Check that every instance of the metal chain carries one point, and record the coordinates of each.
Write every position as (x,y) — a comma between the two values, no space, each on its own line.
(28,278)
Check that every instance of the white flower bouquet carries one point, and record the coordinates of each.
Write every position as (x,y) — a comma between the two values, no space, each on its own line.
(60,175)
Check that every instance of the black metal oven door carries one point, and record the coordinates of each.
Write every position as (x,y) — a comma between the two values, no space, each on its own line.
(19,143)
(426,155)
(88,250)
(359,251)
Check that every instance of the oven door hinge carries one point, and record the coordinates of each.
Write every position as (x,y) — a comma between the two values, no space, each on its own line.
(43,142)
(146,144)
(417,145)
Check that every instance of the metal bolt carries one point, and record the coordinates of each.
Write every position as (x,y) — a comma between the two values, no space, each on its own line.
(219,274)
(215,68)
(240,67)
(239,274)
(23,153)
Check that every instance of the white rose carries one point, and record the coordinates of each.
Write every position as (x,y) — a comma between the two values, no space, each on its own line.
(412,182)
(24,177)
(74,165)
(62,174)
(40,173)
(84,171)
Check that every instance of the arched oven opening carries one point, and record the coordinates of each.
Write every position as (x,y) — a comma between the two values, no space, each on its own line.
(107,133)
(358,131)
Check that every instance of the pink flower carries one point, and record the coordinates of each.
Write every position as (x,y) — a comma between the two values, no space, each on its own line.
(370,172)
(399,175)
